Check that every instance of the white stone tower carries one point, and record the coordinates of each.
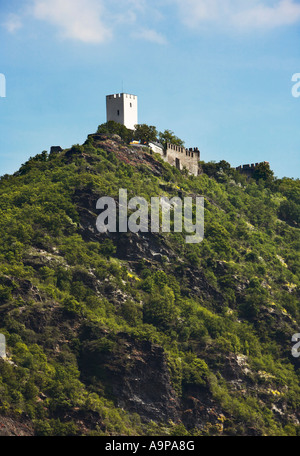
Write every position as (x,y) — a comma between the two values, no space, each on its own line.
(122,108)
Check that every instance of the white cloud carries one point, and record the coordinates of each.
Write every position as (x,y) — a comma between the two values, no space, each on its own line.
(96,21)
(12,23)
(81,20)
(139,5)
(246,14)
(150,35)
(86,20)
(285,12)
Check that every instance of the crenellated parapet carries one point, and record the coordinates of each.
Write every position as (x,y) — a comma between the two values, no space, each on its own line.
(181,158)
(248,169)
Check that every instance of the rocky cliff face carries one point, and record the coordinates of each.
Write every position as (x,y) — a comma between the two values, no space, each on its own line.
(136,376)
(14,428)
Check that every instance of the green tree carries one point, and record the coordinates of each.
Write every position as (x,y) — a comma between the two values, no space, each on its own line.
(212,168)
(145,133)
(264,172)
(160,309)
(169,137)
(114,128)
(289,212)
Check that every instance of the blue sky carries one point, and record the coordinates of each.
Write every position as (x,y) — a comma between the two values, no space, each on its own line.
(216,72)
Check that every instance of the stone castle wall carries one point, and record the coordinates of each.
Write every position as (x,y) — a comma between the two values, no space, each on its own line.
(181,158)
(248,169)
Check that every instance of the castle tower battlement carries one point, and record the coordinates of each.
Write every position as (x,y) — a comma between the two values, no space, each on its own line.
(122,108)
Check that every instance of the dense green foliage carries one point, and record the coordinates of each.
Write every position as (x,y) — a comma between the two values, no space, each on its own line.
(168,136)
(113,128)
(58,288)
(143,133)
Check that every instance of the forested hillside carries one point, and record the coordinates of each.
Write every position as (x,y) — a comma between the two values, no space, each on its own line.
(144,334)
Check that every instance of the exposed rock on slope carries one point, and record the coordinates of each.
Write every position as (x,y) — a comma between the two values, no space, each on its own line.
(135,333)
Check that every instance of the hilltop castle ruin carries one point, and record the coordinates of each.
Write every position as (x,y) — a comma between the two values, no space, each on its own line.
(123,108)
